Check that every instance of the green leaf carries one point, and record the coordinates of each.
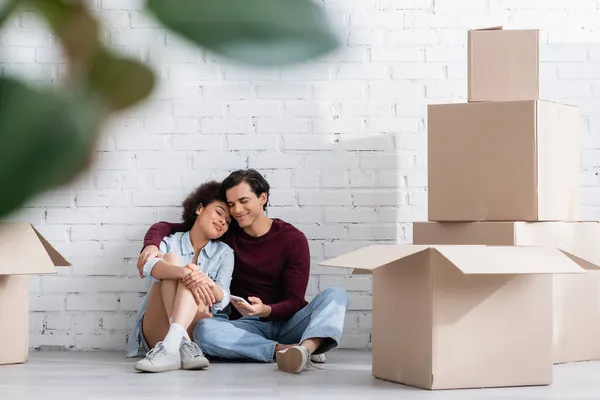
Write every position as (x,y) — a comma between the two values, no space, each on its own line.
(259,32)
(122,81)
(7,10)
(46,138)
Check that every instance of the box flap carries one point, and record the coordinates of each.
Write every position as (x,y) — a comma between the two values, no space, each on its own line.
(55,256)
(367,259)
(493,28)
(24,251)
(509,260)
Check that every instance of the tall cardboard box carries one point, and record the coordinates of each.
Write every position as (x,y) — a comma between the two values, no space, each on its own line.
(450,317)
(503,65)
(511,161)
(23,252)
(576,307)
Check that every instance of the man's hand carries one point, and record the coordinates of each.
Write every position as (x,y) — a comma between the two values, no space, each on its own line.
(150,251)
(255,309)
(200,285)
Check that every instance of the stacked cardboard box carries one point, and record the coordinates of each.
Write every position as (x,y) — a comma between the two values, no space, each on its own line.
(23,252)
(471,302)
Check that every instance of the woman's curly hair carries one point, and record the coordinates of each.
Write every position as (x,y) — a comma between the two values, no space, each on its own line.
(203,195)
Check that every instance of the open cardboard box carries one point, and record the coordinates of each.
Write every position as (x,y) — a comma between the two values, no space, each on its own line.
(503,64)
(576,327)
(449,317)
(503,161)
(23,252)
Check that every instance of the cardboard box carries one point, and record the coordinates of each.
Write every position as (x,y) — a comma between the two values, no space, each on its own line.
(23,252)
(511,161)
(503,65)
(576,312)
(450,317)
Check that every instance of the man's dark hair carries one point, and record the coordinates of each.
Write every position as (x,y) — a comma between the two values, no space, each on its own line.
(258,184)
(203,195)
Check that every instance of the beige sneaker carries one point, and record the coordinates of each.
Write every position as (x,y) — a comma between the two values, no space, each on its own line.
(191,356)
(293,359)
(318,358)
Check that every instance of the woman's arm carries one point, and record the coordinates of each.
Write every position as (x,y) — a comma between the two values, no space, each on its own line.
(165,270)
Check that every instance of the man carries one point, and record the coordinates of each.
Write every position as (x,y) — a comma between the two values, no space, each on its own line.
(271,271)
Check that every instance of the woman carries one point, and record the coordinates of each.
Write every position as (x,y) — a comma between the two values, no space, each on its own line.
(190,282)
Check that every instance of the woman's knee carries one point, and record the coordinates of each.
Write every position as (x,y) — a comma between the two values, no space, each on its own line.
(172,257)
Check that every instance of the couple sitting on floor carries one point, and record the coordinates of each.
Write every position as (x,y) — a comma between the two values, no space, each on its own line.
(231,289)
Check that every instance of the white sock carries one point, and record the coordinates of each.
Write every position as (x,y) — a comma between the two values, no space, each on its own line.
(173,338)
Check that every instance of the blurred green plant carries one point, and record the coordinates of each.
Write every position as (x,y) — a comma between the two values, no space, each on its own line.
(47,136)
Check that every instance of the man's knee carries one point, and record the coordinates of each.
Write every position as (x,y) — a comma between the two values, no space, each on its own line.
(172,257)
(336,294)
(207,330)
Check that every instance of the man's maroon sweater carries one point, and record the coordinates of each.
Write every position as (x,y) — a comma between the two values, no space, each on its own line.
(274,267)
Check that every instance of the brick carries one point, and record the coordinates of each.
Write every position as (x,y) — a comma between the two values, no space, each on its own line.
(45,302)
(398,53)
(360,301)
(355,341)
(323,232)
(308,142)
(411,37)
(588,70)
(297,214)
(350,215)
(78,302)
(378,198)
(282,197)
(418,71)
(337,125)
(121,4)
(337,248)
(278,178)
(335,179)
(225,125)
(57,321)
(324,198)
(282,91)
(339,90)
(197,142)
(196,109)
(332,161)
(392,125)
(275,161)
(374,108)
(223,160)
(139,37)
(18,54)
(157,198)
(394,90)
(103,199)
(282,125)
(252,142)
(141,142)
(374,232)
(24,37)
(157,160)
(234,91)
(130,301)
(307,178)
(407,213)
(361,72)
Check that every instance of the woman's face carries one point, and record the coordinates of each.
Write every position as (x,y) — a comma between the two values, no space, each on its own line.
(214,219)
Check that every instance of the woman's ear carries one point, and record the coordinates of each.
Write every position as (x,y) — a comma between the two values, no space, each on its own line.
(199,209)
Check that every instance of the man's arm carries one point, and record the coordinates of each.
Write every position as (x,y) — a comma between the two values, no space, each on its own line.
(294,279)
(152,240)
(160,230)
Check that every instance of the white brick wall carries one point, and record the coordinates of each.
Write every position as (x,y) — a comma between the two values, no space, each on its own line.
(341,139)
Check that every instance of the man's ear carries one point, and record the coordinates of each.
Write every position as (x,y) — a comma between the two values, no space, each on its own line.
(262,199)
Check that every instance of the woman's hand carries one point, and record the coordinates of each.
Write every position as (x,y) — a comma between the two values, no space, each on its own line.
(150,251)
(200,285)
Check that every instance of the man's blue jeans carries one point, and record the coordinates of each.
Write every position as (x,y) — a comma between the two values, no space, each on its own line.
(252,339)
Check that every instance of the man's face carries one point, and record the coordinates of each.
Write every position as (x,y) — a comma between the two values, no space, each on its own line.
(245,206)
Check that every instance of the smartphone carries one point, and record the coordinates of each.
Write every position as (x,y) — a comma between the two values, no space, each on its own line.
(238,298)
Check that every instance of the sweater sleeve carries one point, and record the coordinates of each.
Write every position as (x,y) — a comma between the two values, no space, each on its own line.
(160,230)
(294,280)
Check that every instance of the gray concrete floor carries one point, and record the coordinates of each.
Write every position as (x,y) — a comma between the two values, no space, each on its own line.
(347,374)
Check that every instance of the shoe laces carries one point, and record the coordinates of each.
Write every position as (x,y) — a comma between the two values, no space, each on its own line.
(156,353)
(191,349)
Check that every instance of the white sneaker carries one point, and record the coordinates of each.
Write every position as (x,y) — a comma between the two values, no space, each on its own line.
(191,355)
(318,358)
(159,360)
(293,359)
